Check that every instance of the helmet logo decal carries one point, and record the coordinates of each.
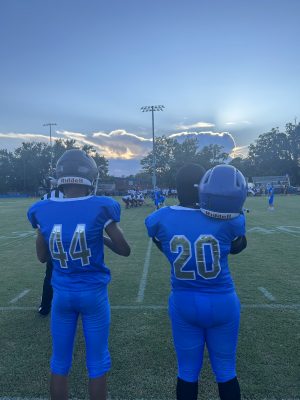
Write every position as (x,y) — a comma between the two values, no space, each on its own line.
(75,180)
(215,214)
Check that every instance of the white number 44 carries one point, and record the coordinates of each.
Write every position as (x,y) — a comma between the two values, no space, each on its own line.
(79,239)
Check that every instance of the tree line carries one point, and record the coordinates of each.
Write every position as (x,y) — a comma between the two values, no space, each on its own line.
(25,170)
(273,153)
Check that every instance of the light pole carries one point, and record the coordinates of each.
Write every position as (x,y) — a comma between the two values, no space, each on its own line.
(152,109)
(50,124)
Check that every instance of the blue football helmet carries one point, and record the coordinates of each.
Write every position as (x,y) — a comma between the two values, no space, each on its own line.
(222,192)
(76,167)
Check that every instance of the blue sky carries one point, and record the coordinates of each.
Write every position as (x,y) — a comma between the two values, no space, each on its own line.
(232,65)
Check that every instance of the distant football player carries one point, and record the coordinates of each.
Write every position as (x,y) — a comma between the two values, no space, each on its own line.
(70,232)
(158,198)
(271,198)
(140,199)
(196,236)
(127,200)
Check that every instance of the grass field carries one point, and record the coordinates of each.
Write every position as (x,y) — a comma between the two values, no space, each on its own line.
(266,275)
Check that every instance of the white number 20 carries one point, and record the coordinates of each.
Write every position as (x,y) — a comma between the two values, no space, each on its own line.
(207,269)
(79,239)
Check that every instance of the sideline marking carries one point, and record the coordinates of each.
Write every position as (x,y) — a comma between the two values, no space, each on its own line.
(276,306)
(259,229)
(143,282)
(285,229)
(18,234)
(291,232)
(22,294)
(266,293)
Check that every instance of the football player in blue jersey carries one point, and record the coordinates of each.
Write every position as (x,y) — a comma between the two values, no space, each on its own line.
(271,197)
(158,198)
(197,236)
(70,232)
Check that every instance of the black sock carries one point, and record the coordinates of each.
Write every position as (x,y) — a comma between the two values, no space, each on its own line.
(230,390)
(186,390)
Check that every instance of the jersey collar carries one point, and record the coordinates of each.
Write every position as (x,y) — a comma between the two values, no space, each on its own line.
(71,198)
(183,208)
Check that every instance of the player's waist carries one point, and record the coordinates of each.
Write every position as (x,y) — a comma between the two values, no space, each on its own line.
(227,287)
(75,269)
(80,281)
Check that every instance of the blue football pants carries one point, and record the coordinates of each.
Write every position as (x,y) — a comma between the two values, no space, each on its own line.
(93,306)
(205,319)
(271,200)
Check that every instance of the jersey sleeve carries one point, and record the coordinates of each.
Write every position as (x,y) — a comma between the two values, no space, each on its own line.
(32,217)
(152,223)
(238,226)
(112,212)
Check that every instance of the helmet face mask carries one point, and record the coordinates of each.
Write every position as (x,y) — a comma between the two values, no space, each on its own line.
(222,192)
(75,167)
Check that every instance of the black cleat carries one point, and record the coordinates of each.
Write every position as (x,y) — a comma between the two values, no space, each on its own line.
(44,311)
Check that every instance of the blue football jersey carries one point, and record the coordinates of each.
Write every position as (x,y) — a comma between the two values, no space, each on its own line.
(73,230)
(197,247)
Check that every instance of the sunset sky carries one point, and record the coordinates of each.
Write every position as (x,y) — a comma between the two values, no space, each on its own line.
(227,70)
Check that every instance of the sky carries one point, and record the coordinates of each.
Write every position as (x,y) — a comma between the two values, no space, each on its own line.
(225,70)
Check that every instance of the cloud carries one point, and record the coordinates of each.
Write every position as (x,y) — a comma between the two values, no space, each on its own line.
(238,123)
(24,136)
(240,151)
(195,126)
(206,138)
(12,140)
(123,149)
(117,144)
(76,135)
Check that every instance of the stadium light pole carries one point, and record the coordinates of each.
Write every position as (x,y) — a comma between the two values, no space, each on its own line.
(153,109)
(50,124)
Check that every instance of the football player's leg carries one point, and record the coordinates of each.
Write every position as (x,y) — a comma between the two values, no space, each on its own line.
(222,341)
(189,346)
(230,390)
(96,321)
(47,294)
(63,328)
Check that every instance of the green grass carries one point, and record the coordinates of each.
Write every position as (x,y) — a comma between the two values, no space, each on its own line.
(144,363)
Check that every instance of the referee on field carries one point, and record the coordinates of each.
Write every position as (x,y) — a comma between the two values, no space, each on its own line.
(47,294)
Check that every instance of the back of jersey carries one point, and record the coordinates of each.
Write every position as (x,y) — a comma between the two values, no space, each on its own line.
(196,246)
(73,230)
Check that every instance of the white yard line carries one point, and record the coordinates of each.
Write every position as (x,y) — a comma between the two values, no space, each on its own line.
(143,282)
(154,307)
(22,294)
(16,308)
(266,293)
(288,233)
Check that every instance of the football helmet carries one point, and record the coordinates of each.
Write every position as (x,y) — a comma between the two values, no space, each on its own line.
(77,168)
(222,192)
